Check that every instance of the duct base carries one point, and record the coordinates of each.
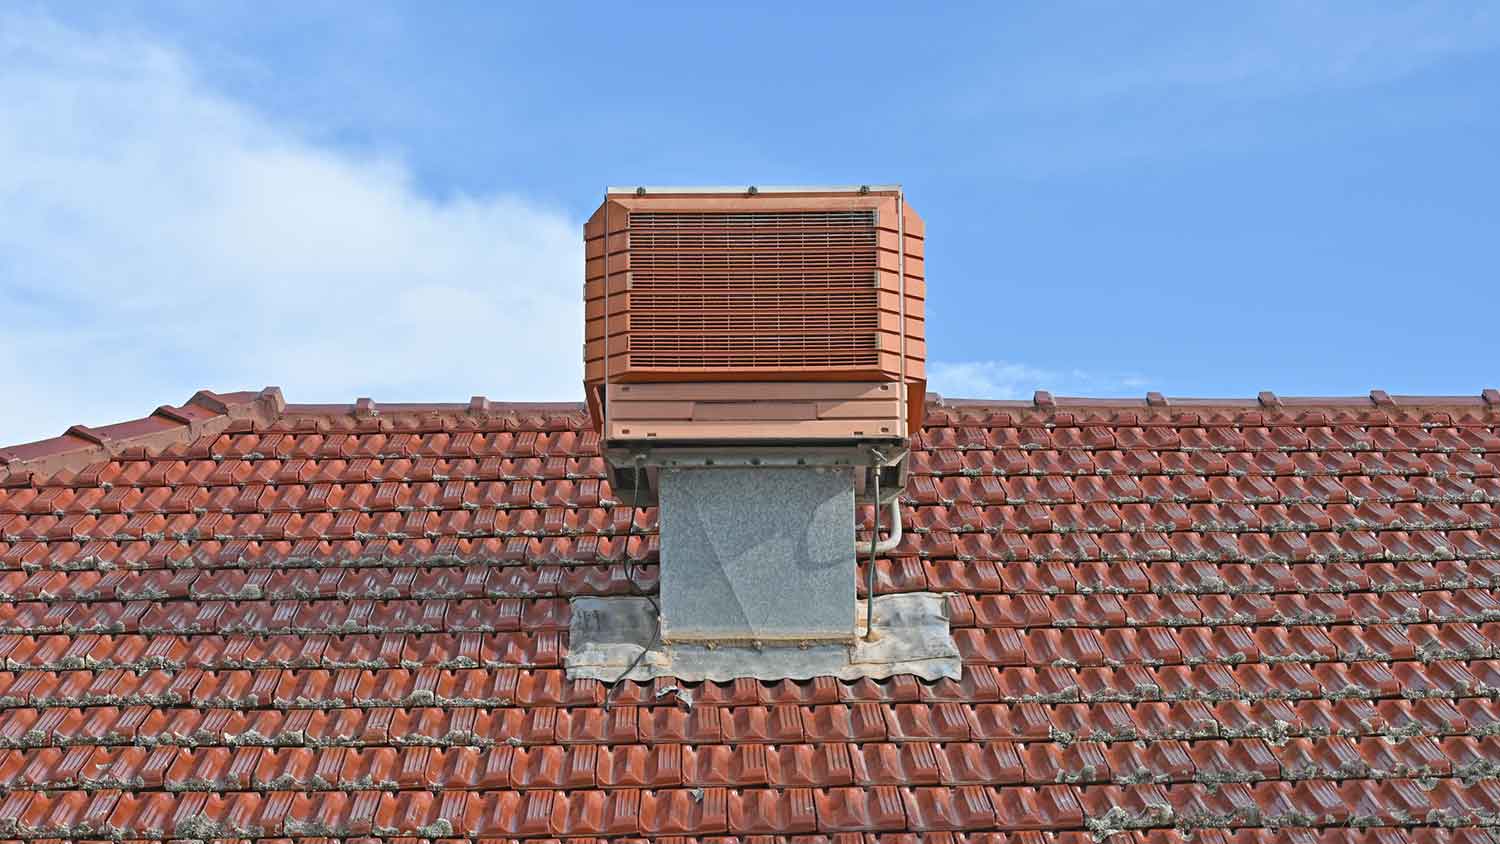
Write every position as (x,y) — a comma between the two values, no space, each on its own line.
(913,637)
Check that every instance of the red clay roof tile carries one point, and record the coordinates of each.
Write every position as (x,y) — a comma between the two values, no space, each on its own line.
(238,617)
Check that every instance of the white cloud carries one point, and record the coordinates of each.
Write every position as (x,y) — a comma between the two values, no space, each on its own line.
(998,379)
(159,238)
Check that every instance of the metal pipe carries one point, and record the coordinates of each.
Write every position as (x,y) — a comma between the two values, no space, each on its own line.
(870,573)
(887,545)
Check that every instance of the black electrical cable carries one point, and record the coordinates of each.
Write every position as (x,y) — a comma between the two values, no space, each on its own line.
(635,491)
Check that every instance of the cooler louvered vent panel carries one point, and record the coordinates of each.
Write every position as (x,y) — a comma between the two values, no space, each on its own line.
(753,290)
(754,315)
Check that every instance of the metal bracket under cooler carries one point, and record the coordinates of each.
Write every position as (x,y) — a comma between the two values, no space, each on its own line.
(635,466)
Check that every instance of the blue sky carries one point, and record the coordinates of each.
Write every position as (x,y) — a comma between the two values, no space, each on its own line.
(1199,199)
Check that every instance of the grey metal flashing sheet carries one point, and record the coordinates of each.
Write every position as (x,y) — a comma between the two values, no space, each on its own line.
(913,637)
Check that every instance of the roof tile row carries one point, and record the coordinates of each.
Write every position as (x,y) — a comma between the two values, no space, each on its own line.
(544,723)
(711,811)
(1060,683)
(253,767)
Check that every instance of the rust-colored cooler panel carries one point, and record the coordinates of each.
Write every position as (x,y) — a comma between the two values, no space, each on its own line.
(744,287)
(754,410)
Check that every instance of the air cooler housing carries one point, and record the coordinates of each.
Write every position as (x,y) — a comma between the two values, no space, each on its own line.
(754,364)
(744,315)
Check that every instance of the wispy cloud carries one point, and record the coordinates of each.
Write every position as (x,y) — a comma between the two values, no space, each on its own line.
(998,379)
(160,237)
(1151,82)
(1276,48)
(1298,47)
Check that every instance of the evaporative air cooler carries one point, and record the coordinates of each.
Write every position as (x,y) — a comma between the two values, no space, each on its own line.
(732,332)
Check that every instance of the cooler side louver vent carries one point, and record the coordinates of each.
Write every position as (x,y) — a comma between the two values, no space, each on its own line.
(792,289)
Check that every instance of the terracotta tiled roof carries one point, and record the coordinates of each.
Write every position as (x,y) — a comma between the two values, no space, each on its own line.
(244,618)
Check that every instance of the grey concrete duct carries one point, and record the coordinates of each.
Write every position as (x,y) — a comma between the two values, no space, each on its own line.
(757,554)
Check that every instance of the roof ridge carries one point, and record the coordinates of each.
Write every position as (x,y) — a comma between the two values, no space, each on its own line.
(206,412)
(1043,399)
(209,412)
(367,408)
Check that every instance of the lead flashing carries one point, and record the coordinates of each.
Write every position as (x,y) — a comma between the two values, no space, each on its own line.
(607,635)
